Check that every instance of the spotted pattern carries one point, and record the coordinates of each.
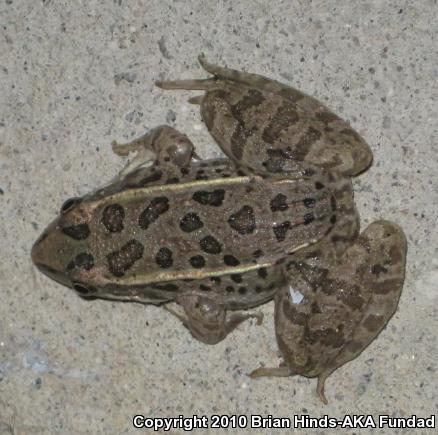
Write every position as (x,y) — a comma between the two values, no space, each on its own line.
(120,261)
(262,272)
(190,222)
(164,258)
(276,160)
(239,139)
(112,218)
(197,261)
(309,218)
(210,245)
(281,230)
(303,146)
(150,214)
(231,260)
(77,232)
(243,221)
(309,202)
(278,203)
(214,198)
(253,98)
(84,260)
(237,278)
(285,117)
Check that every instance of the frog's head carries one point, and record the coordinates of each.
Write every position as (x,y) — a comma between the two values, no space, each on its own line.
(62,251)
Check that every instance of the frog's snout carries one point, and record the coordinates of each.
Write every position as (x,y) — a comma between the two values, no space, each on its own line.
(44,255)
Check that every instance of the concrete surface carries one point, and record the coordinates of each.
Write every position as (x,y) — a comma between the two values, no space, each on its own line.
(76,74)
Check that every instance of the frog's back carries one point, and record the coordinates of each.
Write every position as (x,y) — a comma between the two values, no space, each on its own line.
(208,222)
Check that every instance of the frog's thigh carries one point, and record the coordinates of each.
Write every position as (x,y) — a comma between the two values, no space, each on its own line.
(384,272)
(384,276)
(163,143)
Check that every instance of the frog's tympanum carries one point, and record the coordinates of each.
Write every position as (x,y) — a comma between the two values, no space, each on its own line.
(215,237)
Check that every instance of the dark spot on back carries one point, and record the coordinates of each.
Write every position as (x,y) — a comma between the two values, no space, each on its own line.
(237,278)
(150,214)
(243,221)
(258,253)
(77,232)
(279,203)
(230,260)
(120,261)
(210,245)
(308,218)
(319,185)
(229,289)
(333,219)
(215,279)
(164,258)
(190,222)
(262,272)
(83,260)
(197,261)
(204,288)
(242,290)
(213,198)
(112,218)
(280,230)
(309,202)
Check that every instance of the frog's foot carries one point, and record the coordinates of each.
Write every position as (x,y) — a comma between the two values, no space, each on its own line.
(281,371)
(163,144)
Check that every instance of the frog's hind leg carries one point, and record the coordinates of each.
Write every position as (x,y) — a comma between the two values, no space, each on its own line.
(383,272)
(163,144)
(384,276)
(260,82)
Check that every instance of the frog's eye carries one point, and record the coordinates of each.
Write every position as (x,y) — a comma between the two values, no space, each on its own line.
(69,204)
(83,290)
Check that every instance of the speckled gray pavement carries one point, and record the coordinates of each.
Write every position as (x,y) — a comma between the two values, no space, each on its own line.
(76,74)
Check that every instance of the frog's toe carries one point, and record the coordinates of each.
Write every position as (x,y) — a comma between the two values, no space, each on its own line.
(200,85)
(321,384)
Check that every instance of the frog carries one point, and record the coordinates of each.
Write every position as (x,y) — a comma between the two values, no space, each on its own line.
(210,239)
(338,293)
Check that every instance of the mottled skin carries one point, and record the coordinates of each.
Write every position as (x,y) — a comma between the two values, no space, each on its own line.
(230,234)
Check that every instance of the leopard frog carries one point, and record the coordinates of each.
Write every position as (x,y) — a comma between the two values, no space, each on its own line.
(226,235)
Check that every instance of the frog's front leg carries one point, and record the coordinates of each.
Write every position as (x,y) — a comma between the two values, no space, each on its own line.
(207,319)
(163,144)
